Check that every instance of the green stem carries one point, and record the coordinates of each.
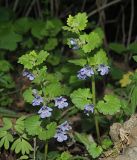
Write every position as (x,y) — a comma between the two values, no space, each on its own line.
(95,113)
(46,150)
(34,147)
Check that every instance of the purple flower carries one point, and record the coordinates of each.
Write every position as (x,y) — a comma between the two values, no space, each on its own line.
(61,133)
(37,100)
(85,72)
(61,136)
(45,112)
(103,69)
(65,126)
(29,75)
(61,102)
(73,42)
(89,108)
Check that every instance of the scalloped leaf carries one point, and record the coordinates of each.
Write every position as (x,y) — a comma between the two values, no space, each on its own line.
(109,106)
(81,97)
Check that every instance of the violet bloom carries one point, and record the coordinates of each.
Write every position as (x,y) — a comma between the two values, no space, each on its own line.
(61,102)
(61,134)
(85,72)
(89,108)
(74,44)
(29,75)
(103,69)
(37,100)
(45,112)
(65,126)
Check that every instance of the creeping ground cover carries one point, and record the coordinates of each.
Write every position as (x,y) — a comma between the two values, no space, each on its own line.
(63,95)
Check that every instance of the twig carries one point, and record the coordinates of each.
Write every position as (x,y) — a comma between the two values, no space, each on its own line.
(30,7)
(131,22)
(83,5)
(15,5)
(52,7)
(39,9)
(123,26)
(103,7)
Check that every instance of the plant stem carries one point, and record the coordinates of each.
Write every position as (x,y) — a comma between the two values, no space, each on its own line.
(46,150)
(34,153)
(95,113)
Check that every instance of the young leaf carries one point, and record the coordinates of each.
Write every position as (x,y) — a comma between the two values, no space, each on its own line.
(76,23)
(33,59)
(91,41)
(81,97)
(109,106)
(32,125)
(99,58)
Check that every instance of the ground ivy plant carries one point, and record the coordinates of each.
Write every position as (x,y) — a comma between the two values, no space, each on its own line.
(93,60)
(49,96)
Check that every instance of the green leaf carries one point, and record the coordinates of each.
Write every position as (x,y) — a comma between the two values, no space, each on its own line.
(32,125)
(19,126)
(99,58)
(56,89)
(49,132)
(5,66)
(33,59)
(9,38)
(133,100)
(76,23)
(6,138)
(79,62)
(24,157)
(65,156)
(22,25)
(94,150)
(109,106)
(106,143)
(135,58)
(133,47)
(91,41)
(51,44)
(117,47)
(21,145)
(91,146)
(27,95)
(7,124)
(81,97)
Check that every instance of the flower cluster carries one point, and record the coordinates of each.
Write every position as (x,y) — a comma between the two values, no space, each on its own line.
(45,112)
(103,69)
(85,72)
(29,75)
(88,71)
(61,134)
(89,108)
(74,44)
(61,102)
